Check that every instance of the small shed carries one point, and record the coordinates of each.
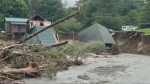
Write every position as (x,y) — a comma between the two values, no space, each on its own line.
(45,38)
(15,25)
(96,32)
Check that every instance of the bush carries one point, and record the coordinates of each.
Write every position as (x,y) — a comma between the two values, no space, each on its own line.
(95,46)
(78,49)
(91,47)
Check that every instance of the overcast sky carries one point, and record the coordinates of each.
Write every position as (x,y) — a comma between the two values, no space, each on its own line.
(70,2)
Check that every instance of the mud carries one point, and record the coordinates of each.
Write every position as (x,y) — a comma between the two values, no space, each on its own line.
(133,42)
(116,69)
(108,70)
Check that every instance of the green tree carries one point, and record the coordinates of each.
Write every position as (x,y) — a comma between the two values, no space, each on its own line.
(12,8)
(146,13)
(52,10)
(110,22)
(1,21)
(133,18)
(34,6)
(69,26)
(21,9)
(110,13)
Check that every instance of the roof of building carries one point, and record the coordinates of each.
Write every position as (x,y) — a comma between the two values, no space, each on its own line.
(16,19)
(19,23)
(37,15)
(96,32)
(45,38)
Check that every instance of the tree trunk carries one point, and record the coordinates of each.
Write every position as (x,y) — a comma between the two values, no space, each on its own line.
(73,36)
(31,69)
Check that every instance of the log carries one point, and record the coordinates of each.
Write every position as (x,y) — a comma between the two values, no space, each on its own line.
(57,44)
(57,22)
(32,68)
(53,45)
(11,46)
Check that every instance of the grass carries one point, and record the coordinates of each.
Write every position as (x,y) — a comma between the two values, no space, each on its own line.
(145,31)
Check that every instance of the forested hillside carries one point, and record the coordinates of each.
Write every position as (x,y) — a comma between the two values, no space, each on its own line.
(110,13)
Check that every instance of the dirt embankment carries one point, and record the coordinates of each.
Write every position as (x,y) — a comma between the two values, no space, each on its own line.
(9,39)
(133,42)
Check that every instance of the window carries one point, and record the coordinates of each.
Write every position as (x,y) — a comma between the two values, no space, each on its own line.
(19,28)
(41,24)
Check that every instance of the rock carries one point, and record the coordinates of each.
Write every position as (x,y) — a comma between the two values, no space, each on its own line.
(121,44)
(140,49)
(84,77)
(140,44)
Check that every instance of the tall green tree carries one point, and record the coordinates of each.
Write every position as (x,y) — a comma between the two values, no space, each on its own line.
(12,8)
(69,26)
(133,18)
(110,13)
(1,21)
(52,10)
(146,13)
(21,9)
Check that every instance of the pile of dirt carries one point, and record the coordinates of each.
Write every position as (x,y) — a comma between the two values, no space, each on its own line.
(133,42)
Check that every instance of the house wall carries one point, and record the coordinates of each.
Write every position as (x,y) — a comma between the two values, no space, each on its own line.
(36,23)
(7,27)
(19,29)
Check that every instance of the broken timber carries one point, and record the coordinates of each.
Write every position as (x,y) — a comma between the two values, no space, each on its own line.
(57,22)
(53,45)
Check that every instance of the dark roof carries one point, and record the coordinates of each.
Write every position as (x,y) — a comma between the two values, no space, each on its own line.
(96,32)
(38,16)
(46,37)
(16,19)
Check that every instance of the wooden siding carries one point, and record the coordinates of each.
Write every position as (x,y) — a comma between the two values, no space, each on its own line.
(7,27)
(14,28)
(36,23)
(19,29)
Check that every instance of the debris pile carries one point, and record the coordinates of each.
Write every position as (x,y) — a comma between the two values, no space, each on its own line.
(22,60)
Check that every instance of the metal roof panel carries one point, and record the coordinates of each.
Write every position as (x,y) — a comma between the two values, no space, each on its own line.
(16,19)
(19,23)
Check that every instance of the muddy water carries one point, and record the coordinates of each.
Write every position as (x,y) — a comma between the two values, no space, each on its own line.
(123,68)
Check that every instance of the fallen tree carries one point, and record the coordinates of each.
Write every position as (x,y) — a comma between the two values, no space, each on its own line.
(31,69)
(53,45)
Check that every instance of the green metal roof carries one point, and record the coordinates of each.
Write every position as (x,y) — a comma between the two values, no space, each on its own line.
(19,23)
(96,32)
(16,19)
(46,37)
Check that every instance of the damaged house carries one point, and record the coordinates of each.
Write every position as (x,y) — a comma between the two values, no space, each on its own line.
(96,32)
(23,26)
